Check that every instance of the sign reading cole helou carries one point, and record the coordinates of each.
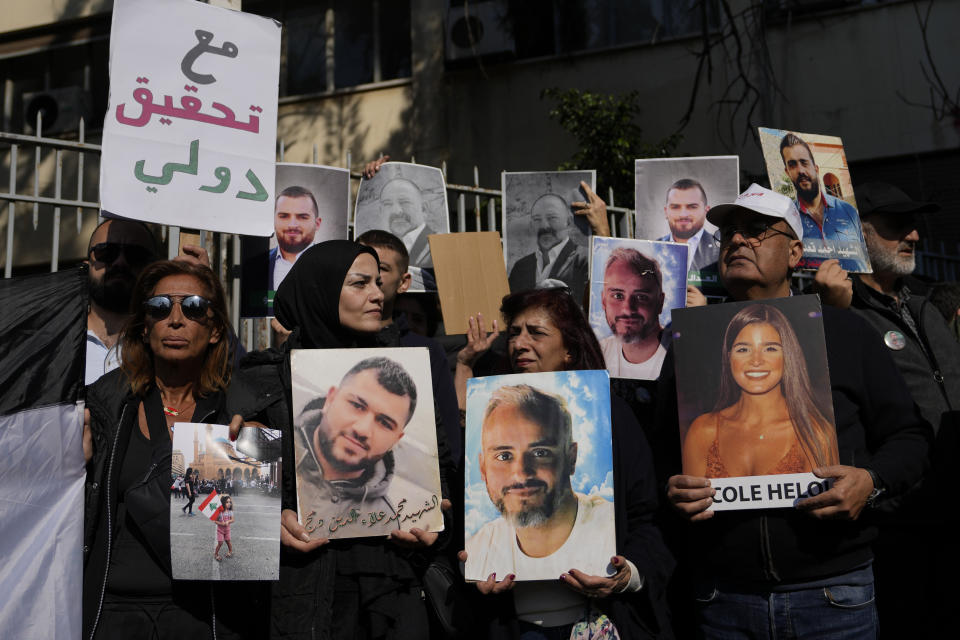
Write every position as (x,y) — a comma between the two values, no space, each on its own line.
(753,392)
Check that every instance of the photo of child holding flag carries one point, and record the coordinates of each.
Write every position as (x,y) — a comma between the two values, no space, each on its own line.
(224,520)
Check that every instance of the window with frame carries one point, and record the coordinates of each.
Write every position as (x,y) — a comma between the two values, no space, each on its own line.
(338,44)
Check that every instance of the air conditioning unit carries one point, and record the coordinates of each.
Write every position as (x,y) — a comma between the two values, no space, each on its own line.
(478,29)
(60,109)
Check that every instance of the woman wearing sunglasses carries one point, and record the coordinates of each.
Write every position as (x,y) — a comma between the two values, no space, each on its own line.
(547,331)
(176,366)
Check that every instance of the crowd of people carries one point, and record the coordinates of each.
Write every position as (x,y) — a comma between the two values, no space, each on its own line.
(869,556)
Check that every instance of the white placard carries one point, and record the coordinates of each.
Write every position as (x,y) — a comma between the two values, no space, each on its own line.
(190,133)
(766,492)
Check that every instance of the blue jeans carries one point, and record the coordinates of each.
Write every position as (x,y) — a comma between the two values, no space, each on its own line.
(837,611)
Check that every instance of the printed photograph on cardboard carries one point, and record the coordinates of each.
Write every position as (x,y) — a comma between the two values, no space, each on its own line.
(545,243)
(365,441)
(539,467)
(225,503)
(812,170)
(753,393)
(409,201)
(673,196)
(634,287)
(312,205)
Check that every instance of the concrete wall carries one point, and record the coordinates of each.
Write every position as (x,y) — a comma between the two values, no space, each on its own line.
(27,14)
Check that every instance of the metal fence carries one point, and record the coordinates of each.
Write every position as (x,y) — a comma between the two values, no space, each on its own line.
(472,208)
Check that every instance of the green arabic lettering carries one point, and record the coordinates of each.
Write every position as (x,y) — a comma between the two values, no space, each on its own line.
(259,194)
(170,168)
(223,175)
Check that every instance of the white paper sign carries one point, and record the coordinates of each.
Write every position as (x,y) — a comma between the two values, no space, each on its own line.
(766,492)
(190,133)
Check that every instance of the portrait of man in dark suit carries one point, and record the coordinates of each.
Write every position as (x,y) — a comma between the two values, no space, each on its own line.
(686,210)
(296,220)
(557,259)
(402,207)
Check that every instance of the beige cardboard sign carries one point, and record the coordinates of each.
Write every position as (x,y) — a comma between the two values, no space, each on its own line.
(471,277)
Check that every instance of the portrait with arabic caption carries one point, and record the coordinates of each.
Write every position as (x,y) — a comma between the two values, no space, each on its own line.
(365,443)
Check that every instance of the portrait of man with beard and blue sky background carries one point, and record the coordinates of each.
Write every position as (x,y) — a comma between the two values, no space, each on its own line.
(539,475)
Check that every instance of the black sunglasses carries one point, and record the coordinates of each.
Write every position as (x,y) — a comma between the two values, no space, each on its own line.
(134,254)
(755,230)
(193,307)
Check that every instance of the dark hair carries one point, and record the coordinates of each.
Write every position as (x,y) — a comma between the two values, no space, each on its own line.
(300,192)
(390,375)
(792,140)
(946,298)
(578,338)
(683,184)
(124,221)
(809,423)
(137,360)
(375,238)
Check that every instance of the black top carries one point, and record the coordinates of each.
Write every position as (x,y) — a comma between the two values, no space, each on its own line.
(134,568)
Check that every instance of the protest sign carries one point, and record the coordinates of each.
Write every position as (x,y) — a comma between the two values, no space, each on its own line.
(812,170)
(190,132)
(312,205)
(365,441)
(673,196)
(409,201)
(634,286)
(754,400)
(539,472)
(545,243)
(471,277)
(229,529)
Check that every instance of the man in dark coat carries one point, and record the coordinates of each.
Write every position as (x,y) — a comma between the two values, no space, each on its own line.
(914,566)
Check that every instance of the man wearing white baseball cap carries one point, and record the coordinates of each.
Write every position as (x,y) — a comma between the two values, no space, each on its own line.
(803,572)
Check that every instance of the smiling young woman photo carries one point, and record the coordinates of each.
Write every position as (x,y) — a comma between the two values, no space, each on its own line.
(765,420)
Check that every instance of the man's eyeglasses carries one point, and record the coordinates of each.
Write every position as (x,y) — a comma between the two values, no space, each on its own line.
(134,254)
(193,307)
(754,231)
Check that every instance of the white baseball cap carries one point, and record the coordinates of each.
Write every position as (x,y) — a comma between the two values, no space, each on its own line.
(763,201)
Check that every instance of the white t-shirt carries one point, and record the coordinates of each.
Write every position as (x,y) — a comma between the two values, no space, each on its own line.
(589,547)
(281,267)
(619,367)
(100,358)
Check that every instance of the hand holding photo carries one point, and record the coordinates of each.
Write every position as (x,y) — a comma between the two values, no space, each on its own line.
(365,442)
(756,412)
(539,476)
(812,170)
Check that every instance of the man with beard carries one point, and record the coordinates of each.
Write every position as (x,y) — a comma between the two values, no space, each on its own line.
(557,258)
(831,227)
(632,301)
(344,443)
(914,568)
(685,210)
(401,203)
(295,222)
(117,253)
(527,458)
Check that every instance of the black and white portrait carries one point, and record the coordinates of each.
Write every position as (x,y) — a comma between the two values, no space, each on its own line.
(546,245)
(409,201)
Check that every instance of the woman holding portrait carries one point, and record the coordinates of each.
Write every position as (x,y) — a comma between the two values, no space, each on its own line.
(547,331)
(766,420)
(176,367)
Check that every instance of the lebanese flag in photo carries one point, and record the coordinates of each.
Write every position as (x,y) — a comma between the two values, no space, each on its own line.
(211,507)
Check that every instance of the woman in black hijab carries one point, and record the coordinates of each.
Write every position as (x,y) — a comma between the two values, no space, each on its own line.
(331,299)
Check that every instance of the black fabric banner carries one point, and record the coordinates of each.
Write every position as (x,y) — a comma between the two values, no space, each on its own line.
(42,339)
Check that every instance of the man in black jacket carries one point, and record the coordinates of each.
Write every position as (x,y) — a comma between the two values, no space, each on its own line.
(804,571)
(915,573)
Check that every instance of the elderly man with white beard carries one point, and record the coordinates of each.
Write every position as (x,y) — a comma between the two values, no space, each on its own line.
(914,563)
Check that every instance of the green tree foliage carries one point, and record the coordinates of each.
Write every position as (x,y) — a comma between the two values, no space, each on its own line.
(608,136)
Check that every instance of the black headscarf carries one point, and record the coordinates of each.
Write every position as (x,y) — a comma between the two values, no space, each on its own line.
(309,296)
